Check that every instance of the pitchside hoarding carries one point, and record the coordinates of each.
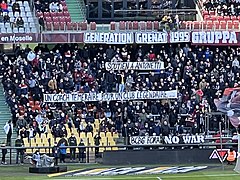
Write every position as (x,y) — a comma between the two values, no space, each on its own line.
(230,38)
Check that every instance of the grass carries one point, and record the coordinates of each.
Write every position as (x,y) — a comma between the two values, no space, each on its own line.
(213,173)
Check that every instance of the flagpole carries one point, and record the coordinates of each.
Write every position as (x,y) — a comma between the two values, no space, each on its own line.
(220,130)
(238,153)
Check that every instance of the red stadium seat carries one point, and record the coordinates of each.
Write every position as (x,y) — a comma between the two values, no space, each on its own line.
(209,24)
(122,25)
(236,24)
(223,24)
(67,19)
(65,8)
(229,24)
(129,25)
(48,19)
(220,18)
(75,26)
(112,26)
(59,14)
(46,14)
(66,13)
(216,24)
(55,19)
(62,25)
(142,25)
(226,18)
(135,25)
(39,14)
(197,25)
(84,26)
(206,17)
(69,26)
(149,25)
(233,18)
(156,25)
(55,27)
(62,19)
(49,26)
(93,26)
(63,3)
(213,18)
(205,13)
(53,14)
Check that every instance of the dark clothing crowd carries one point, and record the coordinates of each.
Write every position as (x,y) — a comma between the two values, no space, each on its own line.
(199,74)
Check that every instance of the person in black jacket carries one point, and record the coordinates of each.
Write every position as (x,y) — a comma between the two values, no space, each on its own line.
(72,141)
(55,153)
(81,151)
(4,152)
(19,143)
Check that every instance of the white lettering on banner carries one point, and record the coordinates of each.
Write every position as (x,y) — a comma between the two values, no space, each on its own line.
(108,38)
(145,140)
(186,139)
(116,66)
(151,37)
(215,37)
(14,38)
(179,36)
(125,96)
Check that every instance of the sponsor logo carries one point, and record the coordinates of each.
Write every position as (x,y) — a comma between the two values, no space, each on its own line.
(220,154)
(130,171)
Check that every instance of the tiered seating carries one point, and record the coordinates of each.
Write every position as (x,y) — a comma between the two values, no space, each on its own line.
(107,139)
(60,20)
(26,14)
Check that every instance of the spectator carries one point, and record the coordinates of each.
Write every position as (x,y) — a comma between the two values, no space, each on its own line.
(38,6)
(6,18)
(55,153)
(63,152)
(4,152)
(19,22)
(1,17)
(97,139)
(53,7)
(72,141)
(16,8)
(20,151)
(81,151)
(41,23)
(89,128)
(8,128)
(4,6)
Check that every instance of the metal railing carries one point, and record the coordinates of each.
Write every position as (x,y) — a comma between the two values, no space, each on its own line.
(91,157)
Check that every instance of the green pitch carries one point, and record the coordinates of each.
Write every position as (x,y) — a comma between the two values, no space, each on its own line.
(213,173)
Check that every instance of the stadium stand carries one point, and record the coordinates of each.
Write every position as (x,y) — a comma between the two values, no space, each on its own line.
(197,73)
(17,18)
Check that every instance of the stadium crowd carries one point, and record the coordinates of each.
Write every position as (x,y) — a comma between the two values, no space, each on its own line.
(198,73)
(223,8)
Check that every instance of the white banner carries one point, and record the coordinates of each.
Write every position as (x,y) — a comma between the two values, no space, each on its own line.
(109,38)
(125,96)
(179,36)
(214,37)
(151,140)
(145,140)
(115,66)
(194,139)
(151,37)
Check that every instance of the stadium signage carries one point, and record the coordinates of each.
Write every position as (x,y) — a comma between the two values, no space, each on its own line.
(179,36)
(151,37)
(145,140)
(214,37)
(17,38)
(108,38)
(115,66)
(187,139)
(125,96)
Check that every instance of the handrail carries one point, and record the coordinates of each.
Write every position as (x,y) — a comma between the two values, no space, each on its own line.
(126,146)
(156,10)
